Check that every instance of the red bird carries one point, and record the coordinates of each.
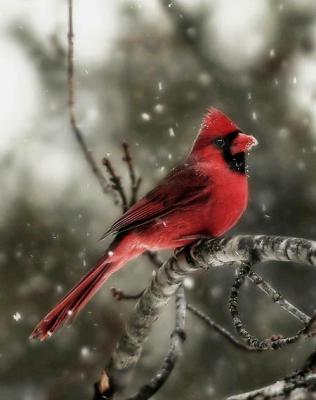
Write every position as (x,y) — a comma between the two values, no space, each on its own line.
(205,195)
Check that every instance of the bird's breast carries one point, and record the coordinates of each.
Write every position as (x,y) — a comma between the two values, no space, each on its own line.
(228,203)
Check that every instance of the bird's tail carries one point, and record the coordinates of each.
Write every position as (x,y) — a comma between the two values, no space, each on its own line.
(76,299)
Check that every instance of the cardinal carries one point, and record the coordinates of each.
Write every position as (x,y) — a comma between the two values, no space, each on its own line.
(205,195)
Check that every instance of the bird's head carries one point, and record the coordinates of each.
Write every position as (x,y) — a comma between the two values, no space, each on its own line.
(220,138)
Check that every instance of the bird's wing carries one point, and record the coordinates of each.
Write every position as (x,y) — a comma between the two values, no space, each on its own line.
(181,187)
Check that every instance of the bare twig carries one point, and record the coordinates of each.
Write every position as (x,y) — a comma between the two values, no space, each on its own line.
(71,107)
(135,181)
(116,183)
(220,329)
(277,297)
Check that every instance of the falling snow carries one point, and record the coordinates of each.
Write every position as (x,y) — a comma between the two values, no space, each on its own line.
(145,116)
(85,352)
(205,79)
(159,108)
(59,289)
(171,132)
(188,283)
(17,316)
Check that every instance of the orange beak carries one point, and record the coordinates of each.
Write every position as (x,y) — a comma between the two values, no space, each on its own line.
(243,143)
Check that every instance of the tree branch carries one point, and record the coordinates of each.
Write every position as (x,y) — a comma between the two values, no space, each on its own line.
(202,255)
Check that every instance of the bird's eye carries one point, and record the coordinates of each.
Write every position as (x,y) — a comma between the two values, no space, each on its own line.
(220,143)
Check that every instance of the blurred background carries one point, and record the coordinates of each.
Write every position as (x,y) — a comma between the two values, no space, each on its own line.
(146,71)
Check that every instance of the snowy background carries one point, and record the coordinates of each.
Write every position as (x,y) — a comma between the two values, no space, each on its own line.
(138,78)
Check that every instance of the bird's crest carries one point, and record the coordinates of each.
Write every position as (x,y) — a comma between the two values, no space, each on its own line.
(217,123)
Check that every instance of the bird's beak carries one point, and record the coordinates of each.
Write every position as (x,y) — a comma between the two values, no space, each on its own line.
(243,143)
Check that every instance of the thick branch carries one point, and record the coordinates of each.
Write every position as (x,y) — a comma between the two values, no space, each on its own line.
(202,255)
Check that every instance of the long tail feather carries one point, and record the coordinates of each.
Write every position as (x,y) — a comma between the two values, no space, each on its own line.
(75,300)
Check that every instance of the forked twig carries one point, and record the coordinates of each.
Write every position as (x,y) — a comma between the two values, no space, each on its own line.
(135,181)
(116,183)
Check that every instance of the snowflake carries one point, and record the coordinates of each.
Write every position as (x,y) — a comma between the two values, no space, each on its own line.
(146,116)
(17,316)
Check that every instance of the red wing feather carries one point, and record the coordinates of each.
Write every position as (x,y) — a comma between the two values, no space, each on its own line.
(180,187)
